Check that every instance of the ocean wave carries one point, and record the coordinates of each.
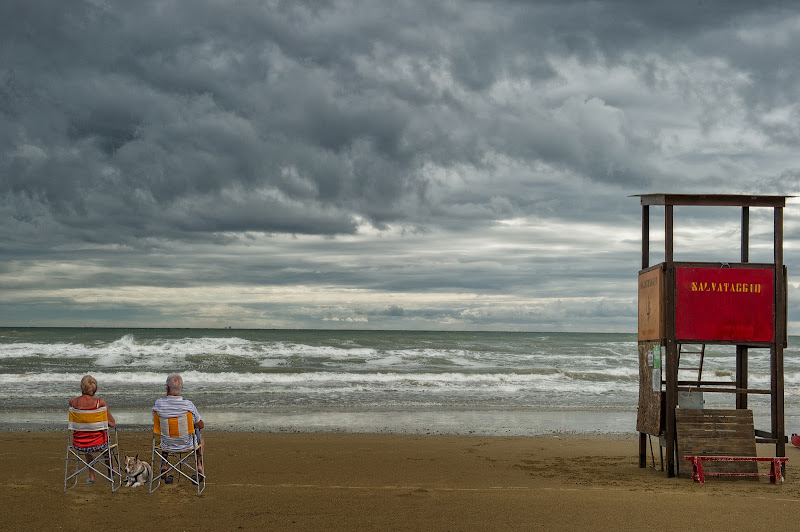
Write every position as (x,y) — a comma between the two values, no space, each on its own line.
(268,377)
(237,354)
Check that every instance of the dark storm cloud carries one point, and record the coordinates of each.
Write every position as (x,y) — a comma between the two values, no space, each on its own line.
(385,147)
(137,111)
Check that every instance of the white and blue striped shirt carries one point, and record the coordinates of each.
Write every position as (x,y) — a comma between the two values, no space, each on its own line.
(175,406)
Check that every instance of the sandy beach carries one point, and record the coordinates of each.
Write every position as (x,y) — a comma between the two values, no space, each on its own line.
(262,481)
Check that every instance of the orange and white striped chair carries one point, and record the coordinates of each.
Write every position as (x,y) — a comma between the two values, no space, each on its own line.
(82,459)
(177,445)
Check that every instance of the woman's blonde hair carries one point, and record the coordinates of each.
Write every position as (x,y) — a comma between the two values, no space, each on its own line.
(88,385)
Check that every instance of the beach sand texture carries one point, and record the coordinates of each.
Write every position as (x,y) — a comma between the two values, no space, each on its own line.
(260,481)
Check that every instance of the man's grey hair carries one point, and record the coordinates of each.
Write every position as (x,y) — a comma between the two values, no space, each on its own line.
(175,383)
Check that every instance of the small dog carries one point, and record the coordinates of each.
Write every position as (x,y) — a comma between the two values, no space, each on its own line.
(138,472)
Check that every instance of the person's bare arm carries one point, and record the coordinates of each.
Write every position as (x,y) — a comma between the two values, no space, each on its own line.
(111,421)
(200,424)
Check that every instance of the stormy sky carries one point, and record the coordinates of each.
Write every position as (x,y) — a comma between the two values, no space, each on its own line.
(381,165)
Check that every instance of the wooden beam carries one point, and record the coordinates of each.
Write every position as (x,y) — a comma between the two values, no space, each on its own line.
(765,434)
(778,420)
(741,376)
(741,350)
(645,264)
(732,265)
(745,234)
(645,237)
(713,200)
(669,240)
(671,371)
(712,389)
(693,382)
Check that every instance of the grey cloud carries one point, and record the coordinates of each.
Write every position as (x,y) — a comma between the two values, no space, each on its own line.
(174,109)
(392,310)
(176,145)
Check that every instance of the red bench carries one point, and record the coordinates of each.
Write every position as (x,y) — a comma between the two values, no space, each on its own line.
(698,475)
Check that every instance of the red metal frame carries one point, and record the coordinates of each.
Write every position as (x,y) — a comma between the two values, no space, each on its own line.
(775,475)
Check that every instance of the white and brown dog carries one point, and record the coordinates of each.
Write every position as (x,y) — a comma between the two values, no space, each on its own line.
(138,472)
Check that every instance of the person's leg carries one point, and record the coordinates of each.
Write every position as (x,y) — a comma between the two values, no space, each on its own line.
(164,465)
(200,455)
(89,459)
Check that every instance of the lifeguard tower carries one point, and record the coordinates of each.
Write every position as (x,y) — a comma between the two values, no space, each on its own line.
(685,306)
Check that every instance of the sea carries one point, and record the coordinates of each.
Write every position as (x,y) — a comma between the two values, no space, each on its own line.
(399,382)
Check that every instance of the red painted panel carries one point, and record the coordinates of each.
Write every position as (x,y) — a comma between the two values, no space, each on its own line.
(725,304)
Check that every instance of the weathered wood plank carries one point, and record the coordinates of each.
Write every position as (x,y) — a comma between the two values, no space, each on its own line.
(649,418)
(695,416)
(710,425)
(710,447)
(717,432)
(715,435)
(716,413)
(723,427)
(721,200)
(722,423)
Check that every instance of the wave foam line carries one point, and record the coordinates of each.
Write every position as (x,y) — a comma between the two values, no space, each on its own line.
(203,378)
(130,348)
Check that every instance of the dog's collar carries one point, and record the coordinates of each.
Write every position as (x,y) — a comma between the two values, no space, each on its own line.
(136,476)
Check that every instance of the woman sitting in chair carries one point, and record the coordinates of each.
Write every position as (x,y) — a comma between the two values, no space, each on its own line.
(90,441)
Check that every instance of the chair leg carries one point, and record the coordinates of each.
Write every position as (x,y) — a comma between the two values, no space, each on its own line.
(80,467)
(113,460)
(66,472)
(107,459)
(201,460)
(181,465)
(73,458)
(153,455)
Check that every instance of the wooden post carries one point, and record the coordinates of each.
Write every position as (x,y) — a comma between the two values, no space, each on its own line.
(671,371)
(745,234)
(741,350)
(778,421)
(645,236)
(645,264)
(741,376)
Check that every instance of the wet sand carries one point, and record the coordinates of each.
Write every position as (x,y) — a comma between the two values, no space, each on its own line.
(261,481)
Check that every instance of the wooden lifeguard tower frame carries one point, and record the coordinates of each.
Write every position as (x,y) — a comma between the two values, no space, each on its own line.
(741,304)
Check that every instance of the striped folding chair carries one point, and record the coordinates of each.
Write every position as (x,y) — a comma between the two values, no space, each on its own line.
(105,461)
(176,444)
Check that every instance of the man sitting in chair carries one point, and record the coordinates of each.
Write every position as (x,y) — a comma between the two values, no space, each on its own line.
(173,405)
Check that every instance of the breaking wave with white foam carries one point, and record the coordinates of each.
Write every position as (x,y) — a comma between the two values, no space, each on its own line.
(266,370)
